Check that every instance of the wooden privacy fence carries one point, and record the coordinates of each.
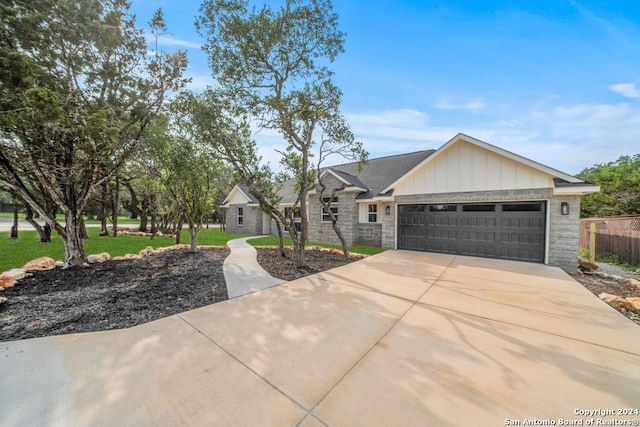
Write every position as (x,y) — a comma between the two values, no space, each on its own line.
(615,235)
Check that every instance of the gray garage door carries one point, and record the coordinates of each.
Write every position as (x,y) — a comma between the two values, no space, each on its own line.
(495,230)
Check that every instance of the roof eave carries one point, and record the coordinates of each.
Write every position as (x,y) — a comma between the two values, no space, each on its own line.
(578,190)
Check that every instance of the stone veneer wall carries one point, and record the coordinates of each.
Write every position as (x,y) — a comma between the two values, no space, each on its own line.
(347,216)
(252,222)
(369,233)
(564,231)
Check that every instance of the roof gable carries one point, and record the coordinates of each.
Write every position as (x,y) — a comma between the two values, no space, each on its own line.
(540,175)
(239,195)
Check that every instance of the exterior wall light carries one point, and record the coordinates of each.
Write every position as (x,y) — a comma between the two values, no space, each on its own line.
(387,210)
(564,208)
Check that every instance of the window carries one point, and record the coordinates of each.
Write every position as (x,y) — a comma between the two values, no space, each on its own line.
(522,207)
(240,216)
(334,208)
(478,208)
(297,218)
(443,208)
(373,213)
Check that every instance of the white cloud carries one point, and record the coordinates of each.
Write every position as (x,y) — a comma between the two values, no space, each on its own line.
(171,41)
(199,82)
(473,105)
(628,90)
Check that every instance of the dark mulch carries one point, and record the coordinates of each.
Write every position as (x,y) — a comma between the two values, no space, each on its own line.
(113,294)
(121,294)
(286,268)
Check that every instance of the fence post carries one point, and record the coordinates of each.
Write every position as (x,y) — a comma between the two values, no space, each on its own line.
(592,243)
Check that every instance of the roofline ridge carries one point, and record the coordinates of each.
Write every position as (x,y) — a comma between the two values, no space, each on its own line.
(383,157)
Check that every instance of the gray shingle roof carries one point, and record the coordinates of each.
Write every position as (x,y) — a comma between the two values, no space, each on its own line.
(375,176)
(247,193)
(380,173)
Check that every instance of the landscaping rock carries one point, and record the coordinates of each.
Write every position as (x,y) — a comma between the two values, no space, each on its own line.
(59,264)
(608,298)
(42,263)
(3,300)
(632,282)
(104,256)
(146,252)
(635,303)
(9,278)
(616,301)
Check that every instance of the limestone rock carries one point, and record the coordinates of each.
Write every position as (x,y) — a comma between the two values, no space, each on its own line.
(3,300)
(146,252)
(9,278)
(59,263)
(635,303)
(616,301)
(608,298)
(42,263)
(104,256)
(632,282)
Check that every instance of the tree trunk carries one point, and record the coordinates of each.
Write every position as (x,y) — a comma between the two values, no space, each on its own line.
(72,237)
(103,211)
(44,231)
(115,202)
(179,233)
(280,236)
(83,229)
(144,215)
(133,205)
(334,221)
(193,234)
(14,228)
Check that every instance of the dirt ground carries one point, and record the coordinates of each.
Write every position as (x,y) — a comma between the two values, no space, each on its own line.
(121,294)
(598,285)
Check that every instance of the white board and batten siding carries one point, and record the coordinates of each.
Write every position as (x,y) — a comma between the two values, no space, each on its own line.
(237,197)
(466,167)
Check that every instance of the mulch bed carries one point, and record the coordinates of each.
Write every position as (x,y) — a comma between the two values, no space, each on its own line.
(286,268)
(113,294)
(121,294)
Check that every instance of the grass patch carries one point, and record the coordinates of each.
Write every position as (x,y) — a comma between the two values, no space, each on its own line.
(16,253)
(275,241)
(608,259)
(122,220)
(615,260)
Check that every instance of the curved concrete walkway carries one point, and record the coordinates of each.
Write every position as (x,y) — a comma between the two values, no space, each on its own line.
(242,273)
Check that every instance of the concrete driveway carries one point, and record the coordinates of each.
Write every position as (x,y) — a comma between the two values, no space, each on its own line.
(401,338)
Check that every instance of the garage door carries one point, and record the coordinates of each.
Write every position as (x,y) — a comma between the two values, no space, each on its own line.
(495,230)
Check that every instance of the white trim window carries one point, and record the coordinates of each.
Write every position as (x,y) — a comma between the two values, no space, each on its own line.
(240,216)
(372,215)
(334,209)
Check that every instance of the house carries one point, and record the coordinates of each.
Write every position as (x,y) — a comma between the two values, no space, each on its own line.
(467,197)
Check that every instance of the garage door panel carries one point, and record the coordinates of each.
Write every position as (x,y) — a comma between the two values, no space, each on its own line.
(499,230)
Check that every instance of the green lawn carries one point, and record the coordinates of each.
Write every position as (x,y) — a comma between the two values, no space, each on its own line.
(274,241)
(60,217)
(16,253)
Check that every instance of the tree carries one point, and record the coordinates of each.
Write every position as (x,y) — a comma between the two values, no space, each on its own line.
(187,170)
(274,63)
(337,139)
(224,129)
(620,188)
(77,89)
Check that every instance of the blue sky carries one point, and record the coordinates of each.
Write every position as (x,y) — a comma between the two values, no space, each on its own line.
(556,81)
